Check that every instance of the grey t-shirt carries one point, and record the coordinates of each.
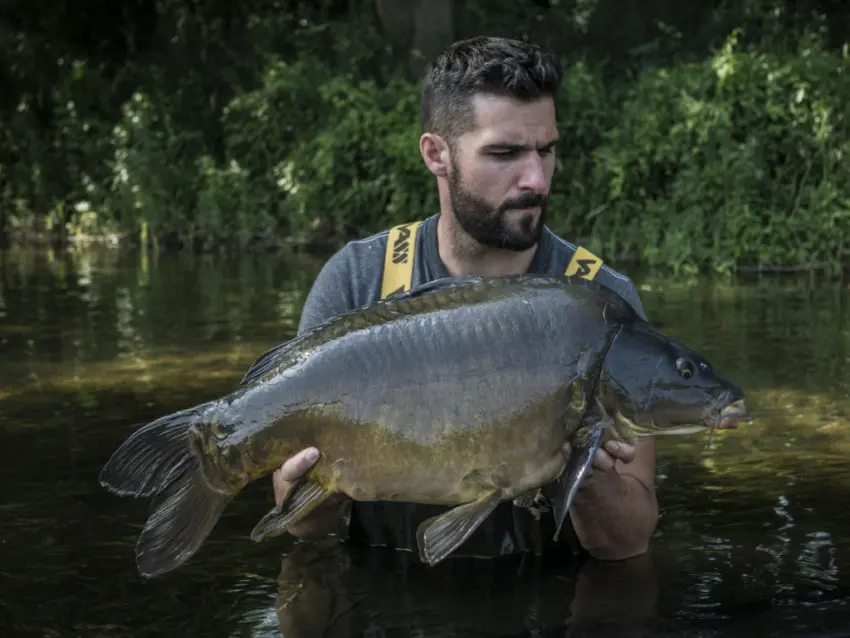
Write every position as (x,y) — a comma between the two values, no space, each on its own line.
(352,278)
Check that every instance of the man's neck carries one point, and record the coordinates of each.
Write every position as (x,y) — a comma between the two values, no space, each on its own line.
(462,255)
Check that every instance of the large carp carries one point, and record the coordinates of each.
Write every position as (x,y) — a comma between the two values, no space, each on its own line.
(461,392)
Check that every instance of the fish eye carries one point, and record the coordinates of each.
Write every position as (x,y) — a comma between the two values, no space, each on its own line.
(217,431)
(685,367)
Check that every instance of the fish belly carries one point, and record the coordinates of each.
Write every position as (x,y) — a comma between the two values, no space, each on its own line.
(444,411)
(437,407)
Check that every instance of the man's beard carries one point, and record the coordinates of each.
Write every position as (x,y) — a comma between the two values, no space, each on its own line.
(489,226)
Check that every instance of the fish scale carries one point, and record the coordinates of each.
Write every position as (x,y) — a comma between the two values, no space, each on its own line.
(461,392)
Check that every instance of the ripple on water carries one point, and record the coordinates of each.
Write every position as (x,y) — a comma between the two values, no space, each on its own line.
(753,537)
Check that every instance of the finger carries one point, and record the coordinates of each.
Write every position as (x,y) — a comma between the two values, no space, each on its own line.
(296,466)
(602,460)
(621,451)
(279,485)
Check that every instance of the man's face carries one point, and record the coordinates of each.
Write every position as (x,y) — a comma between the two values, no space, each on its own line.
(502,170)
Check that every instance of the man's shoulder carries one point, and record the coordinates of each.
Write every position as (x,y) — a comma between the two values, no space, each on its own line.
(563,251)
(365,248)
(364,260)
(358,259)
(350,278)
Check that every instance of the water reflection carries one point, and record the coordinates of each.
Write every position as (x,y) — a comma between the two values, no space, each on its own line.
(753,540)
(338,592)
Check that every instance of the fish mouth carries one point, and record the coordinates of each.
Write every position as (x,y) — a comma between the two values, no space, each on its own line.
(732,415)
(729,417)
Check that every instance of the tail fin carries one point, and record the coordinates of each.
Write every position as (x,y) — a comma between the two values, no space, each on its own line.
(156,460)
(143,463)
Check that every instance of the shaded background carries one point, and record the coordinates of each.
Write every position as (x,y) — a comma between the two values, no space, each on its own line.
(709,135)
(753,536)
(173,173)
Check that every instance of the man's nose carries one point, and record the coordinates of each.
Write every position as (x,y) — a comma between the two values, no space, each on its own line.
(533,176)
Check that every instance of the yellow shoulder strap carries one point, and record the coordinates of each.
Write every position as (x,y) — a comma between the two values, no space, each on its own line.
(401,250)
(584,264)
(398,258)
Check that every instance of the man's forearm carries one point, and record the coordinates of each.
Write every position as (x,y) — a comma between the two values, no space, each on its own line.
(614,515)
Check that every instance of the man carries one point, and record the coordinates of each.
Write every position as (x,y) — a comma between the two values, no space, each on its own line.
(489,135)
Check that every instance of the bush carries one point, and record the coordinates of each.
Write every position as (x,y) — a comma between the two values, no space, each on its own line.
(347,162)
(733,161)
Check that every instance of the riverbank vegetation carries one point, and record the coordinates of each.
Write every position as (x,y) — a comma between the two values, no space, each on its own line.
(695,135)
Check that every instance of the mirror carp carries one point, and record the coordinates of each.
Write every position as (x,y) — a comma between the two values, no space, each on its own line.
(460,392)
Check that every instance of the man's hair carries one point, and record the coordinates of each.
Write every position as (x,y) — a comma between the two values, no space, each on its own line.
(483,65)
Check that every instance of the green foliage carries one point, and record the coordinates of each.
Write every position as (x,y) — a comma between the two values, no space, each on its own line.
(360,167)
(732,161)
(154,179)
(292,125)
(347,161)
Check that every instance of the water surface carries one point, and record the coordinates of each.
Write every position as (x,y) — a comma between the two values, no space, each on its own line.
(754,529)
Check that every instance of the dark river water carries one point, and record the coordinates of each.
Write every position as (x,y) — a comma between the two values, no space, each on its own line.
(753,538)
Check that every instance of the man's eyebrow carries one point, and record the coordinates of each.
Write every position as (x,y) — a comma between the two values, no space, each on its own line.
(508,146)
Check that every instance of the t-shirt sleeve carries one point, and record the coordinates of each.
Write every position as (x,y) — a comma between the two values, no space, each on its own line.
(631,295)
(331,293)
(350,279)
(624,287)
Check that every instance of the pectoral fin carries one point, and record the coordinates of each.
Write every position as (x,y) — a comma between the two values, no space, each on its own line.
(534,501)
(526,499)
(583,448)
(303,497)
(440,535)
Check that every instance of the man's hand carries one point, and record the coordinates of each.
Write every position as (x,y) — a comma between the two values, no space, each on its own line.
(615,511)
(326,516)
(607,455)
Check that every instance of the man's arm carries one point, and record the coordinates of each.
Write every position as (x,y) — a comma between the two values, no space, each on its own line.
(331,294)
(615,511)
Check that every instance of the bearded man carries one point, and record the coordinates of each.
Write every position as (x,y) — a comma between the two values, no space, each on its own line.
(488,136)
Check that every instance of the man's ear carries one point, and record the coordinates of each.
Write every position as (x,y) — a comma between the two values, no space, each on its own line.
(435,152)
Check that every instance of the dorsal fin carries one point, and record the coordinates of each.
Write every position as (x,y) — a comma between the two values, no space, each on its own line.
(291,352)
(434,286)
